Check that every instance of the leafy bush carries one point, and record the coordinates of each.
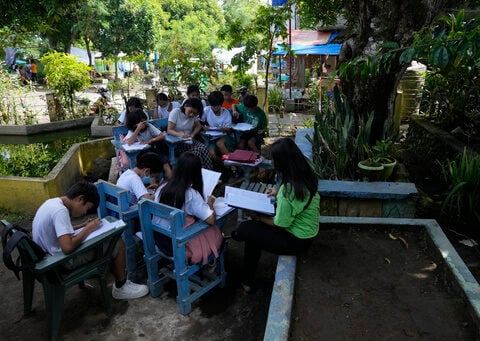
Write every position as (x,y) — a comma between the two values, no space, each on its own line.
(274,99)
(463,177)
(66,75)
(338,139)
(12,108)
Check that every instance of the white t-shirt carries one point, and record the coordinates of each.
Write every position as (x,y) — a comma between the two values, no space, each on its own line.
(123,116)
(195,205)
(214,121)
(183,123)
(163,112)
(148,134)
(51,221)
(130,181)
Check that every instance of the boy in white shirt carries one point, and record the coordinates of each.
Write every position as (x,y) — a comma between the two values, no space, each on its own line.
(52,229)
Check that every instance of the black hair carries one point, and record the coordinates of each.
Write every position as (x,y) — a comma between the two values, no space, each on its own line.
(85,188)
(134,118)
(148,159)
(161,97)
(250,101)
(135,102)
(193,103)
(192,88)
(293,168)
(226,88)
(215,98)
(187,173)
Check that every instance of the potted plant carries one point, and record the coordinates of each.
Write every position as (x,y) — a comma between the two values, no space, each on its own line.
(379,161)
(382,153)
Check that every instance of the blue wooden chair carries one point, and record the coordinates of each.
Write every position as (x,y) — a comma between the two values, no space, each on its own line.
(192,280)
(114,202)
(53,275)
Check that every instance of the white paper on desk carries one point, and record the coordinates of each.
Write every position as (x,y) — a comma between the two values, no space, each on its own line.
(242,127)
(135,146)
(220,206)
(249,200)
(214,133)
(210,180)
(105,227)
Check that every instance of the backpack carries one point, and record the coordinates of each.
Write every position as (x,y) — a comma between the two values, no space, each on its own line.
(12,235)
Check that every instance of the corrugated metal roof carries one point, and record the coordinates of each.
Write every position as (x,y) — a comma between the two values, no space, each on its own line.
(330,49)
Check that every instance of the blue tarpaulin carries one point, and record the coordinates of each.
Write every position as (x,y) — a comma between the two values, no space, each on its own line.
(329,49)
(278,2)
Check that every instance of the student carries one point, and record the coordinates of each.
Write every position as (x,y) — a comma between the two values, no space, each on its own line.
(249,112)
(193,91)
(164,106)
(139,130)
(217,118)
(185,191)
(295,223)
(147,164)
(228,101)
(184,122)
(133,104)
(52,229)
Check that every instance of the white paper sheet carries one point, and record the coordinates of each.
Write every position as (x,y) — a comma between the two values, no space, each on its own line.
(104,227)
(249,200)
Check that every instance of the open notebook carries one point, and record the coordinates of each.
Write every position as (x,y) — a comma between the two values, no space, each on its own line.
(249,200)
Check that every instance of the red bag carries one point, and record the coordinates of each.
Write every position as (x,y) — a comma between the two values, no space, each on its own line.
(240,155)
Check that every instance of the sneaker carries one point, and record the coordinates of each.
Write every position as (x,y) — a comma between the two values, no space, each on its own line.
(129,290)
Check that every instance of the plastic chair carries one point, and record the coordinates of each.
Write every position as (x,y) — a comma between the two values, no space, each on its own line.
(192,281)
(55,278)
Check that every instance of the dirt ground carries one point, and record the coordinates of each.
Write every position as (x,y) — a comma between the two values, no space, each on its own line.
(362,285)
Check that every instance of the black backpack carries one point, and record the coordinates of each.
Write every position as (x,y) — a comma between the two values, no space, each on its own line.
(30,252)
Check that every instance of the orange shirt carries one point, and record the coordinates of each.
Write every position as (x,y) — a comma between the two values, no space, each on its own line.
(34,68)
(228,105)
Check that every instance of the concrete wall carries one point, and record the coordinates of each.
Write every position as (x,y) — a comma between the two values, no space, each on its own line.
(23,194)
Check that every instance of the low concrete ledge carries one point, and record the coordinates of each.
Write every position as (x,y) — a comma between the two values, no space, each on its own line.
(45,127)
(366,190)
(280,311)
(98,130)
(26,194)
(367,199)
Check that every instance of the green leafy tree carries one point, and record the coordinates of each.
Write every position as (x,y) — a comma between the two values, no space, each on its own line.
(189,37)
(371,33)
(132,27)
(258,36)
(66,75)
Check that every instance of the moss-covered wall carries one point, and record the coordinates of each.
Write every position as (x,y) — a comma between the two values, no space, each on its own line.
(22,194)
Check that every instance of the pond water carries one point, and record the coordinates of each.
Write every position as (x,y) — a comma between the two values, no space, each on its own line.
(37,155)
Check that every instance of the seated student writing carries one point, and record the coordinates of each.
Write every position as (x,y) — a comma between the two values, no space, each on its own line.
(164,106)
(52,229)
(185,191)
(184,122)
(216,118)
(147,164)
(249,112)
(295,224)
(139,130)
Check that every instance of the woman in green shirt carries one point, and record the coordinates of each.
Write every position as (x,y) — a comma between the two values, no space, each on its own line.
(295,223)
